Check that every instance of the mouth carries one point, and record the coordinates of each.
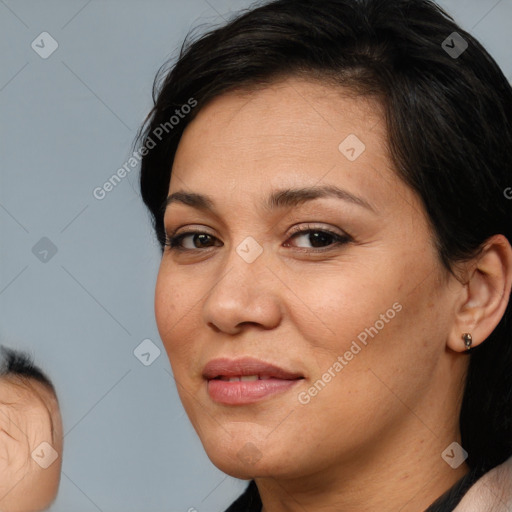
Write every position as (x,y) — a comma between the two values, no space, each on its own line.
(242,378)
(247,369)
(246,380)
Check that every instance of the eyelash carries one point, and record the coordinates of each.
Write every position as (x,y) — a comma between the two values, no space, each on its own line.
(173,242)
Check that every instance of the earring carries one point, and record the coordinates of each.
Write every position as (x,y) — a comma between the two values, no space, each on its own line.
(468,340)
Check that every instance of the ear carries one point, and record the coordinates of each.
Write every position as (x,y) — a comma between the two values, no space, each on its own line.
(485,294)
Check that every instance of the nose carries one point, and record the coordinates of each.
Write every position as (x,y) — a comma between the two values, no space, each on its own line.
(245,294)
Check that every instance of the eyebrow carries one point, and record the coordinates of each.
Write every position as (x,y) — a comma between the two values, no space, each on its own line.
(279,199)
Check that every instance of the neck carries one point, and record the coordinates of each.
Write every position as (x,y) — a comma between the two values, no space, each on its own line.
(409,478)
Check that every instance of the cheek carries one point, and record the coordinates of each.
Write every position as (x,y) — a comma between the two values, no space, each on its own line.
(382,322)
(364,374)
(169,305)
(176,310)
(333,307)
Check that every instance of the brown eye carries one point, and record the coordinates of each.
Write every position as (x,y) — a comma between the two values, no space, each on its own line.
(195,240)
(318,238)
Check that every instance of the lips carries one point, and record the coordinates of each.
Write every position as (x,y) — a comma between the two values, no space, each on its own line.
(246,369)
(245,381)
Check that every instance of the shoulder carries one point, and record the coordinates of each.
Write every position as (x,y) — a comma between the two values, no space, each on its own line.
(491,493)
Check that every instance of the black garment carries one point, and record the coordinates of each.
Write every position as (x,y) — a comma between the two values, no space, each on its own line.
(250,500)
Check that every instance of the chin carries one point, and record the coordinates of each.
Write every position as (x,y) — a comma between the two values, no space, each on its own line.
(242,470)
(240,458)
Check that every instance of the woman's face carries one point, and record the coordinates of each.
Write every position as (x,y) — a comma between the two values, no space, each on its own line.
(359,308)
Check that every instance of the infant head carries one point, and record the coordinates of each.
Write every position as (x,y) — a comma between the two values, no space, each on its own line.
(31,435)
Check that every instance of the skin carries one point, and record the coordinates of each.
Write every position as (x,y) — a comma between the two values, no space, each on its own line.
(29,416)
(372,438)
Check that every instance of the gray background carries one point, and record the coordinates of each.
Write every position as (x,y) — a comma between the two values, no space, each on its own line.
(67,125)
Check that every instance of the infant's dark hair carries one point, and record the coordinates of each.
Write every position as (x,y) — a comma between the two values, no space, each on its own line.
(15,363)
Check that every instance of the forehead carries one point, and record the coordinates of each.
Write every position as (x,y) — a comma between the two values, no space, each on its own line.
(289,133)
(29,402)
(290,117)
(24,391)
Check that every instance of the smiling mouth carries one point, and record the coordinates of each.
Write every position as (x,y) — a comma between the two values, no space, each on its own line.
(248,378)
(247,389)
(254,369)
